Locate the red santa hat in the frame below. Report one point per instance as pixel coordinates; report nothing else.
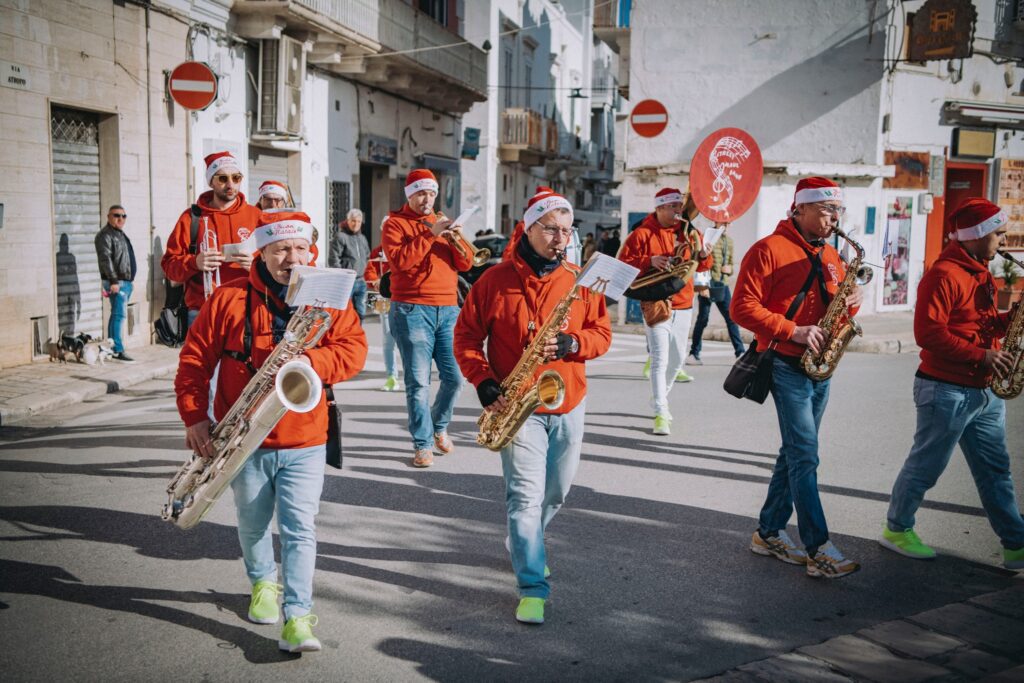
(282, 224)
(816, 189)
(975, 218)
(272, 188)
(668, 195)
(544, 200)
(419, 179)
(218, 162)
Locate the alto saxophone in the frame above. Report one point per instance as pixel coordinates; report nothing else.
(839, 327)
(281, 384)
(1011, 385)
(524, 394)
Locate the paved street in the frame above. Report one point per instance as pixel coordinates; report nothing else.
(652, 579)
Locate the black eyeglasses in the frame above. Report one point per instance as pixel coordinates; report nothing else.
(119, 215)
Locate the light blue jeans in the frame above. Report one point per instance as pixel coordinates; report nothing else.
(389, 346)
(290, 480)
(976, 419)
(799, 403)
(118, 312)
(539, 466)
(424, 333)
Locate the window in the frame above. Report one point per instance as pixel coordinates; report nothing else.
(507, 83)
(528, 82)
(435, 9)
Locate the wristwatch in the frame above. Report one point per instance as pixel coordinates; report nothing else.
(574, 345)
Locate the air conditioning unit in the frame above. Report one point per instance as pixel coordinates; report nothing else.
(282, 70)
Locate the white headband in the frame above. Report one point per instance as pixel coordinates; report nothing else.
(420, 185)
(668, 199)
(273, 190)
(990, 224)
(283, 230)
(219, 164)
(543, 206)
(810, 195)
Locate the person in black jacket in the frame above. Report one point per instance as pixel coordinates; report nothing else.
(349, 249)
(117, 269)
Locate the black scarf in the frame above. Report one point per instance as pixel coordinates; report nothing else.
(538, 264)
(281, 314)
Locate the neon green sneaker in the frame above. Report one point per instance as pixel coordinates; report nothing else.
(297, 635)
(906, 543)
(1013, 559)
(683, 378)
(530, 611)
(263, 607)
(390, 384)
(547, 572)
(647, 368)
(662, 425)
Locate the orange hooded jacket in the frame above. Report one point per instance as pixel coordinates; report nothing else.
(220, 327)
(500, 309)
(424, 267)
(650, 239)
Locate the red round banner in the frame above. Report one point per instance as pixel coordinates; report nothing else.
(725, 174)
(193, 85)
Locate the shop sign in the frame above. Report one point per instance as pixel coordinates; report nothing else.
(378, 150)
(942, 29)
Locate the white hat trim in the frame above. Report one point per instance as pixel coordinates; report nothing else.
(990, 224)
(220, 164)
(537, 211)
(810, 195)
(283, 230)
(420, 185)
(274, 190)
(668, 199)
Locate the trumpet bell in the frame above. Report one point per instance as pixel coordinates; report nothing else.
(481, 256)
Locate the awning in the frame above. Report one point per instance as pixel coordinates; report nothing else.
(445, 165)
(983, 113)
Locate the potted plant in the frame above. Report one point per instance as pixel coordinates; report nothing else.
(1008, 272)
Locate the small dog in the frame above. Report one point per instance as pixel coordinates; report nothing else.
(74, 344)
(58, 352)
(99, 351)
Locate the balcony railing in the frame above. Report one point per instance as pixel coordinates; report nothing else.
(527, 137)
(362, 16)
(613, 14)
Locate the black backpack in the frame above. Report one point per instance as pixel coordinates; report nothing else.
(172, 324)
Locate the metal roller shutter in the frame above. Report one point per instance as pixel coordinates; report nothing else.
(266, 164)
(77, 219)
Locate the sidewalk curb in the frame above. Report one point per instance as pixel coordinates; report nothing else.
(82, 389)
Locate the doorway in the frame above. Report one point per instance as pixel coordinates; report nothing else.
(963, 180)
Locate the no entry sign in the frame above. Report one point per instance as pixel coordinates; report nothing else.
(649, 118)
(193, 85)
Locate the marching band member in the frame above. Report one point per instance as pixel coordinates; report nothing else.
(793, 262)
(503, 308)
(652, 245)
(424, 307)
(224, 211)
(376, 266)
(958, 328)
(240, 325)
(273, 195)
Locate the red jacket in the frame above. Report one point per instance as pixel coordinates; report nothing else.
(770, 277)
(375, 269)
(425, 266)
(956, 318)
(232, 225)
(499, 309)
(513, 241)
(220, 326)
(651, 239)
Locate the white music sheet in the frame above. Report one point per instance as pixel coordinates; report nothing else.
(461, 219)
(247, 246)
(607, 274)
(321, 287)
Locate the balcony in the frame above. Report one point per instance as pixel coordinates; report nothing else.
(527, 138)
(354, 38)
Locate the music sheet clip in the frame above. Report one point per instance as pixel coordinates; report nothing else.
(607, 275)
(320, 287)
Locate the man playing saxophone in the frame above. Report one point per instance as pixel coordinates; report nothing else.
(958, 328)
(505, 308)
(424, 305)
(239, 327)
(653, 245)
(785, 285)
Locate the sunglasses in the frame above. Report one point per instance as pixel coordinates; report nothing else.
(223, 178)
(119, 215)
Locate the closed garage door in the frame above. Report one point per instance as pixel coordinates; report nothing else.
(77, 219)
(265, 164)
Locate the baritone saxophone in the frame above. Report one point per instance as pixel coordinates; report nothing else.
(1011, 385)
(281, 384)
(839, 327)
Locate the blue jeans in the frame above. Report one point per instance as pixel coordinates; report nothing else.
(118, 312)
(359, 297)
(799, 402)
(389, 346)
(539, 466)
(976, 419)
(290, 480)
(704, 314)
(423, 333)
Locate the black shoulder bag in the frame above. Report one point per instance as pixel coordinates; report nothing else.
(751, 375)
(172, 324)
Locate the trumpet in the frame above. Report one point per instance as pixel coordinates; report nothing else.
(465, 247)
(211, 278)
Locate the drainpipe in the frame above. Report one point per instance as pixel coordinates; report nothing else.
(149, 146)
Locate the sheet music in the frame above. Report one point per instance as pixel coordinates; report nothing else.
(465, 216)
(320, 287)
(608, 275)
(247, 246)
(712, 235)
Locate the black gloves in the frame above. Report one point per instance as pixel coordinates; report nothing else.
(566, 345)
(488, 392)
